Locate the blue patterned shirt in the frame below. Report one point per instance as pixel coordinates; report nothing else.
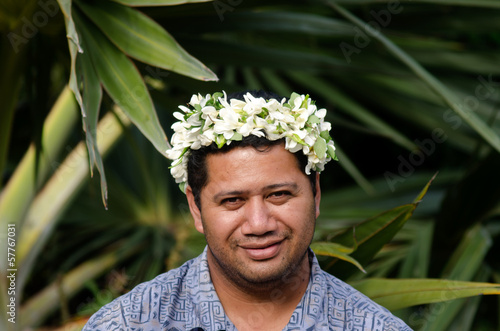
(185, 299)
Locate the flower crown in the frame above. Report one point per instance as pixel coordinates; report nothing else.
(215, 119)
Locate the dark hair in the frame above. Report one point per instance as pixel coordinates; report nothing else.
(197, 169)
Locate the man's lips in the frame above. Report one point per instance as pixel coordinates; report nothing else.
(263, 251)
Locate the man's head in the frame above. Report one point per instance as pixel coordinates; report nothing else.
(258, 215)
(197, 171)
(250, 168)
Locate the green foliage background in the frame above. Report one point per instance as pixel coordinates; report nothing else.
(412, 90)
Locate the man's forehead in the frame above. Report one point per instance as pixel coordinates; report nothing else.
(273, 165)
(239, 157)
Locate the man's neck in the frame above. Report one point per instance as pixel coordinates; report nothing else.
(266, 306)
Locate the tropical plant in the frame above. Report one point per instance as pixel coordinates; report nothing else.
(412, 88)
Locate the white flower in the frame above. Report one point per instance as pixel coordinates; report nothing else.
(195, 99)
(309, 140)
(321, 113)
(273, 119)
(246, 129)
(325, 126)
(228, 124)
(209, 111)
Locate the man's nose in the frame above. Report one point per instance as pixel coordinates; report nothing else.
(259, 218)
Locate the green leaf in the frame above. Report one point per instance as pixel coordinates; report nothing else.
(351, 169)
(251, 81)
(416, 262)
(182, 187)
(143, 39)
(335, 250)
(74, 48)
(58, 192)
(466, 203)
(325, 135)
(220, 140)
(320, 147)
(33, 169)
(468, 256)
(292, 99)
(285, 21)
(314, 119)
(465, 262)
(439, 88)
(331, 93)
(92, 95)
(237, 136)
(465, 319)
(420, 196)
(295, 137)
(272, 79)
(141, 3)
(400, 293)
(48, 299)
(216, 96)
(332, 152)
(124, 84)
(371, 235)
(304, 102)
(469, 3)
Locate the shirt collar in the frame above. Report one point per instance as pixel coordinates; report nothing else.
(210, 314)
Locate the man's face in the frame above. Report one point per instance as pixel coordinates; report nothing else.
(258, 215)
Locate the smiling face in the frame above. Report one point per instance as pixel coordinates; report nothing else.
(258, 215)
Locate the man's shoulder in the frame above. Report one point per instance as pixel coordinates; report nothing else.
(347, 303)
(145, 303)
(338, 288)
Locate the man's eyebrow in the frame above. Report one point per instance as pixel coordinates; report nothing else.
(290, 185)
(227, 193)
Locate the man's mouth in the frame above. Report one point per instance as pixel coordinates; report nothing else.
(262, 251)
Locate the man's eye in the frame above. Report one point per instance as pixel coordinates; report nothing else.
(232, 200)
(279, 194)
(233, 203)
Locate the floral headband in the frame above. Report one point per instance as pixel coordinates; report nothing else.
(215, 119)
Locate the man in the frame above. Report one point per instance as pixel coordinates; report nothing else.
(249, 167)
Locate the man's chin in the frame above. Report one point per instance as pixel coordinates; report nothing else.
(270, 277)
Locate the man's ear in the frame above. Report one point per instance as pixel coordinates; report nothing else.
(317, 197)
(195, 211)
